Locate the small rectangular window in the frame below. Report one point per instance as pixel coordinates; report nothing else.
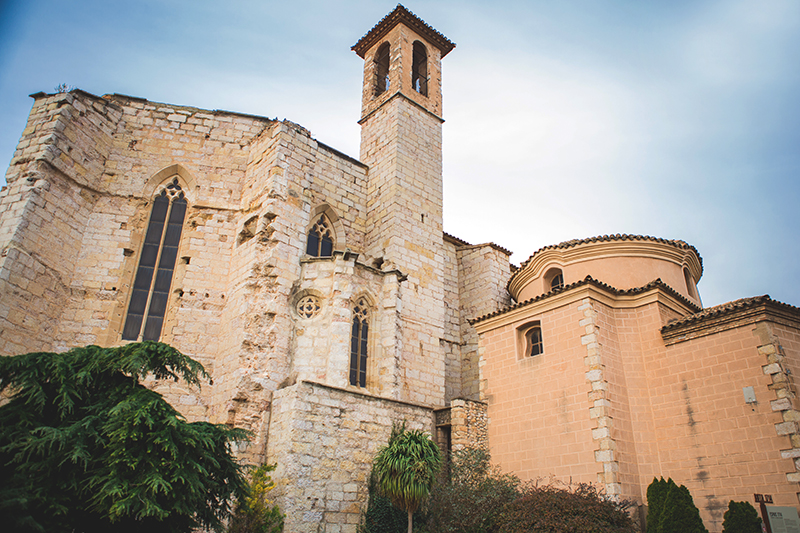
(530, 341)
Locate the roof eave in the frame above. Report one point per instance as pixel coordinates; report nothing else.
(402, 15)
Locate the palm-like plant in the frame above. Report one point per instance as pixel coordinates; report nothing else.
(406, 469)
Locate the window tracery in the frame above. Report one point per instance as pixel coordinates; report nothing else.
(150, 292)
(308, 307)
(320, 238)
(358, 343)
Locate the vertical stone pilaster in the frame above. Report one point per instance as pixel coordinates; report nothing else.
(605, 451)
(785, 395)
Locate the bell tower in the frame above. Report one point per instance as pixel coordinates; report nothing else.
(401, 142)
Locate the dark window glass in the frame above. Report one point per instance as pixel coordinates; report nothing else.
(148, 295)
(557, 282)
(320, 239)
(313, 243)
(354, 336)
(382, 69)
(419, 68)
(326, 247)
(362, 363)
(533, 338)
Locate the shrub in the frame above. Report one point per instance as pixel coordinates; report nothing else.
(471, 498)
(741, 517)
(579, 510)
(256, 513)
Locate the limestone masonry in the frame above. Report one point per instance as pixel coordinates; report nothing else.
(322, 295)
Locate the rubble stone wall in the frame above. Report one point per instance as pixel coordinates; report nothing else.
(323, 440)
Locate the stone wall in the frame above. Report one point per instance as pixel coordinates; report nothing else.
(53, 185)
(323, 440)
(483, 272)
(469, 425)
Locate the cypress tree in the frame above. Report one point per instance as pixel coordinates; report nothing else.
(741, 517)
(680, 515)
(656, 494)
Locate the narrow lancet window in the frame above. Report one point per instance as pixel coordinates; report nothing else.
(150, 295)
(382, 69)
(419, 69)
(358, 344)
(320, 238)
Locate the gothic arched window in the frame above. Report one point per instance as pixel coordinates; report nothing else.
(382, 69)
(151, 286)
(358, 344)
(320, 238)
(419, 69)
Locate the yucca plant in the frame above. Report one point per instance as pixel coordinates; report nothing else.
(406, 469)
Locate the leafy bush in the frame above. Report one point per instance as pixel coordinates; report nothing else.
(478, 498)
(741, 517)
(256, 513)
(581, 509)
(472, 497)
(85, 447)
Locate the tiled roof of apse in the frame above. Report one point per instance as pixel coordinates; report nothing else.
(683, 245)
(589, 280)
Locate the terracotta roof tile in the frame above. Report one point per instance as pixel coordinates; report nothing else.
(726, 308)
(462, 242)
(454, 239)
(401, 14)
(615, 237)
(589, 280)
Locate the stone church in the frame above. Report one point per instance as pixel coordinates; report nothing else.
(324, 298)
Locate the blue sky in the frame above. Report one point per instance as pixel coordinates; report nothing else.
(563, 119)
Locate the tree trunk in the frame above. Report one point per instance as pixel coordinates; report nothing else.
(410, 516)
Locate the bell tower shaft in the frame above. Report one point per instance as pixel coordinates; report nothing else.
(401, 141)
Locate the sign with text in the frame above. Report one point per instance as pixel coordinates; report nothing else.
(783, 519)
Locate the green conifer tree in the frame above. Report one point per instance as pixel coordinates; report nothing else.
(680, 515)
(741, 517)
(656, 494)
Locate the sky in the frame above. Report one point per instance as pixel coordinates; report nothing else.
(563, 120)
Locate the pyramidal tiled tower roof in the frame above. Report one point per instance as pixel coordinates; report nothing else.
(398, 15)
